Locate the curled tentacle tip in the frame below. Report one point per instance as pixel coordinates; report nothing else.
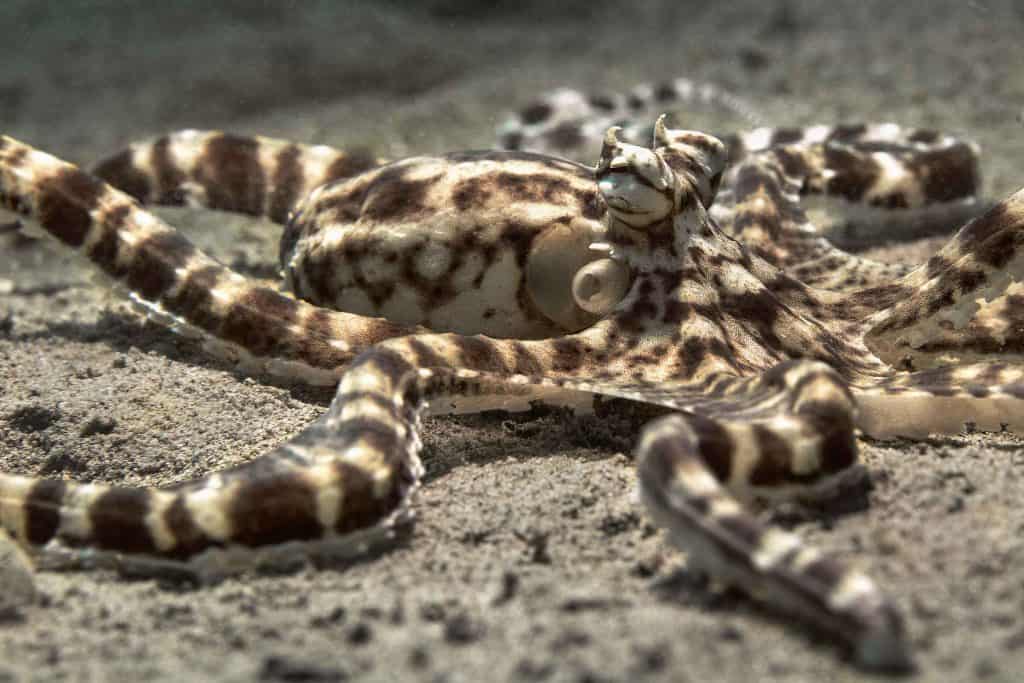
(599, 286)
(885, 654)
(661, 131)
(611, 136)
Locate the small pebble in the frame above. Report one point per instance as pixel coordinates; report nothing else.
(16, 577)
(460, 630)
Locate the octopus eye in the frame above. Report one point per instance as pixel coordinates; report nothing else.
(633, 200)
(599, 286)
(636, 183)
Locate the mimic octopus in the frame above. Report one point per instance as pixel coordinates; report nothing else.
(495, 279)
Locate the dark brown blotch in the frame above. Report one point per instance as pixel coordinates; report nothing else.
(743, 529)
(470, 193)
(855, 172)
(189, 539)
(825, 571)
(665, 92)
(714, 446)
(42, 510)
(847, 132)
(391, 196)
(511, 140)
(369, 432)
(257, 321)
(538, 112)
(924, 135)
(999, 249)
(192, 300)
(118, 520)
(168, 176)
(425, 355)
(272, 507)
(287, 181)
(384, 361)
(635, 102)
(64, 203)
(833, 421)
(591, 204)
(350, 163)
(566, 135)
(526, 363)
(478, 353)
(361, 505)
(519, 237)
(103, 249)
(786, 136)
(568, 354)
(774, 461)
(151, 272)
(121, 172)
(230, 172)
(601, 102)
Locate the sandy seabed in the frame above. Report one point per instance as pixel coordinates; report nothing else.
(529, 559)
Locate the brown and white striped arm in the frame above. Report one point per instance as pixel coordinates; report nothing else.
(172, 279)
(254, 175)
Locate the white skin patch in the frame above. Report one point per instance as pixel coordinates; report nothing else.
(723, 506)
(208, 510)
(916, 414)
(363, 382)
(329, 496)
(698, 481)
(814, 134)
(142, 157)
(14, 491)
(758, 139)
(854, 588)
(806, 458)
(190, 147)
(805, 558)
(74, 513)
(365, 407)
(156, 522)
(887, 131)
(775, 544)
(746, 455)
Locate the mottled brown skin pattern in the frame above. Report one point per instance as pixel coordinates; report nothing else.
(365, 244)
(478, 207)
(767, 376)
(252, 175)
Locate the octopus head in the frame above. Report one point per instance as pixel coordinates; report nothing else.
(638, 186)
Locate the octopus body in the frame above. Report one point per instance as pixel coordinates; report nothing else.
(683, 274)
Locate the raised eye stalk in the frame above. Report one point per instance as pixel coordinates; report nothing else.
(661, 137)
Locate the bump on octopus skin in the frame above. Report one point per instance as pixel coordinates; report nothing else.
(768, 376)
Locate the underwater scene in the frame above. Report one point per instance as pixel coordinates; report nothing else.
(466, 341)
